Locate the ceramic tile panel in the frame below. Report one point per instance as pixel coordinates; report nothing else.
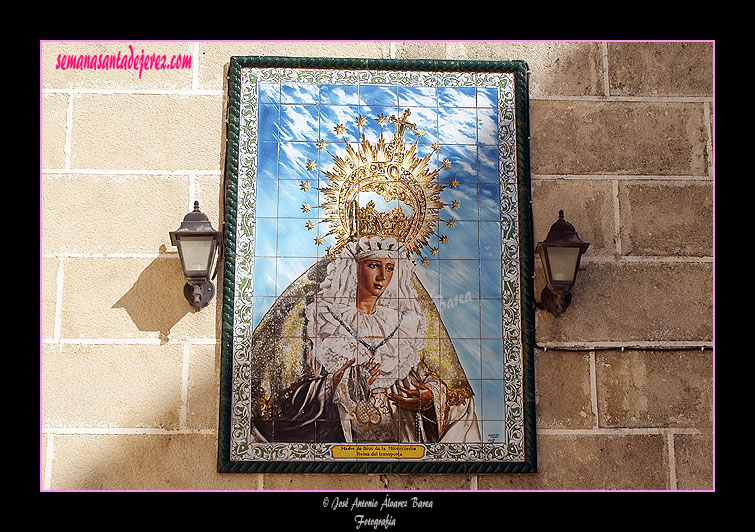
(376, 296)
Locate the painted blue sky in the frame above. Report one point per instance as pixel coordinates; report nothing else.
(464, 277)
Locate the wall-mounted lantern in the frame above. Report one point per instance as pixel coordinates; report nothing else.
(197, 243)
(560, 253)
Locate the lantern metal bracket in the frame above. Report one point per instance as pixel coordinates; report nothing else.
(199, 294)
(554, 302)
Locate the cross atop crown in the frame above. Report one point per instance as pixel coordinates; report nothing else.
(402, 123)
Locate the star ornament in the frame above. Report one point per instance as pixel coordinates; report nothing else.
(319, 240)
(304, 185)
(311, 165)
(340, 129)
(306, 207)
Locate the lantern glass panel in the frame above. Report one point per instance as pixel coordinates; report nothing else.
(197, 253)
(563, 262)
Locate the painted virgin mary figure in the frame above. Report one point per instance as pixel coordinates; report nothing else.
(355, 350)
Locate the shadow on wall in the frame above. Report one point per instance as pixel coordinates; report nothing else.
(155, 303)
(184, 460)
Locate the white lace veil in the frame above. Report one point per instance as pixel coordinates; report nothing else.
(340, 283)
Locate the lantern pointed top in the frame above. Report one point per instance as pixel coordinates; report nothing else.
(194, 223)
(562, 232)
(197, 217)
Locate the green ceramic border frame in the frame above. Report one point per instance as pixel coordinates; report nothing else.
(526, 250)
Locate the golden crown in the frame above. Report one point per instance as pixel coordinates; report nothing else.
(394, 173)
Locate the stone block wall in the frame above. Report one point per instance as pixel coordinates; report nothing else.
(622, 141)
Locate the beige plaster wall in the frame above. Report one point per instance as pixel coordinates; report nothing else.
(621, 140)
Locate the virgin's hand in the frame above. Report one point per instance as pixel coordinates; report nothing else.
(372, 370)
(420, 398)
